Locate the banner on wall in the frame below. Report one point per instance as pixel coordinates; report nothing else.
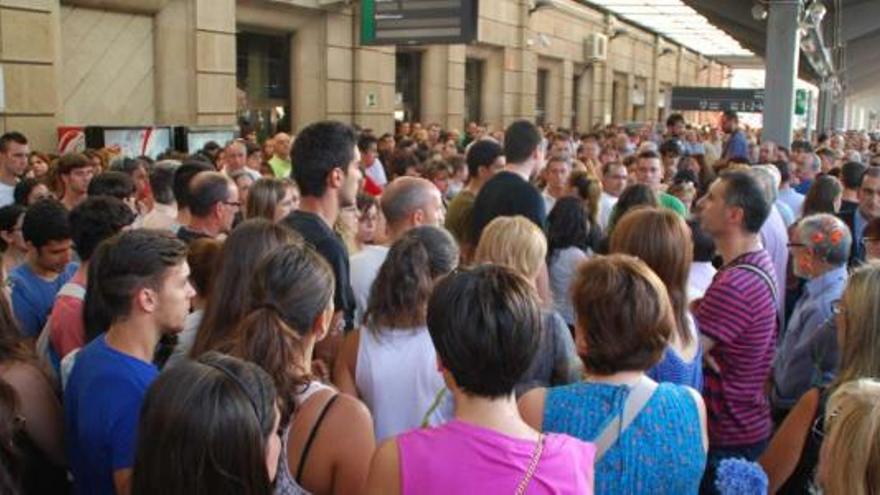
(71, 139)
(127, 141)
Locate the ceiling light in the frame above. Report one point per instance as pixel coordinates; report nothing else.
(759, 12)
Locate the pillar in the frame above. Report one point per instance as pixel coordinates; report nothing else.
(443, 85)
(825, 110)
(782, 56)
(29, 57)
(195, 63)
(840, 110)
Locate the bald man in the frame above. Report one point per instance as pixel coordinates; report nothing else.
(280, 161)
(407, 202)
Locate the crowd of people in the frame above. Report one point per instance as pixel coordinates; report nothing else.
(676, 309)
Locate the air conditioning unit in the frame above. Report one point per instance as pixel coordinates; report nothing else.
(596, 48)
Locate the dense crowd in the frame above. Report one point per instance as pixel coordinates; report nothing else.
(637, 309)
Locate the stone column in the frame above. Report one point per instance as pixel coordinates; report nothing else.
(567, 81)
(360, 79)
(443, 85)
(195, 63)
(782, 62)
(29, 57)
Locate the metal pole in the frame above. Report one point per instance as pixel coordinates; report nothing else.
(783, 52)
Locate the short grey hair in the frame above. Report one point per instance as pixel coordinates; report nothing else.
(827, 238)
(768, 178)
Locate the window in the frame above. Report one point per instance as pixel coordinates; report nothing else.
(541, 97)
(263, 80)
(473, 90)
(407, 83)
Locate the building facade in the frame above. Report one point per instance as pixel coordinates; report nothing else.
(281, 64)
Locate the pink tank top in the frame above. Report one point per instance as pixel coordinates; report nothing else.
(458, 457)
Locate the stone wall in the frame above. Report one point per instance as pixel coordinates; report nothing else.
(173, 62)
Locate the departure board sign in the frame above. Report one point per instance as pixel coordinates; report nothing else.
(718, 99)
(418, 22)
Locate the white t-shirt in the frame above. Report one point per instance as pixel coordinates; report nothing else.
(549, 201)
(364, 269)
(397, 378)
(7, 196)
(606, 206)
(699, 279)
(562, 269)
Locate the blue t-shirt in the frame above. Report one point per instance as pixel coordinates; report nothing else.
(737, 146)
(33, 297)
(102, 405)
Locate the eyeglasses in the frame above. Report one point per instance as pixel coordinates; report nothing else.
(236, 204)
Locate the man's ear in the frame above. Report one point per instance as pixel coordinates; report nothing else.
(335, 178)
(418, 217)
(217, 210)
(736, 215)
(146, 299)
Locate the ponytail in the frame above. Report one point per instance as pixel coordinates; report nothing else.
(290, 289)
(264, 338)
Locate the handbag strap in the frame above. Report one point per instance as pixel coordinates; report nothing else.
(637, 399)
(533, 465)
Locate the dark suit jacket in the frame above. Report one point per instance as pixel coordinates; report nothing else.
(856, 253)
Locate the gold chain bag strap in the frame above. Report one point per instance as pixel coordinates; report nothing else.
(533, 465)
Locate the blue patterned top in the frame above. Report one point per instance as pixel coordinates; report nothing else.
(673, 369)
(661, 451)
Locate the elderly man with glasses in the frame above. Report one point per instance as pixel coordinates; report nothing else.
(807, 354)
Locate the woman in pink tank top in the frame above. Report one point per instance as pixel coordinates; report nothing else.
(483, 347)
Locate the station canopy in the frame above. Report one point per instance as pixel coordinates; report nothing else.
(678, 22)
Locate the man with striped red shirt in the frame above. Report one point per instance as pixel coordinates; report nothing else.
(737, 319)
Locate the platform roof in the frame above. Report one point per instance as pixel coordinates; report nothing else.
(677, 21)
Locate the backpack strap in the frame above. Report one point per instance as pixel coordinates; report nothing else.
(760, 272)
(764, 276)
(635, 402)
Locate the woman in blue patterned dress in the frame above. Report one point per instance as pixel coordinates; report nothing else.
(650, 438)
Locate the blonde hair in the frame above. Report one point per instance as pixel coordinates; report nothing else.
(860, 349)
(514, 242)
(852, 446)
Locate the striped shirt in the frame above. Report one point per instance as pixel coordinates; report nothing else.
(738, 313)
